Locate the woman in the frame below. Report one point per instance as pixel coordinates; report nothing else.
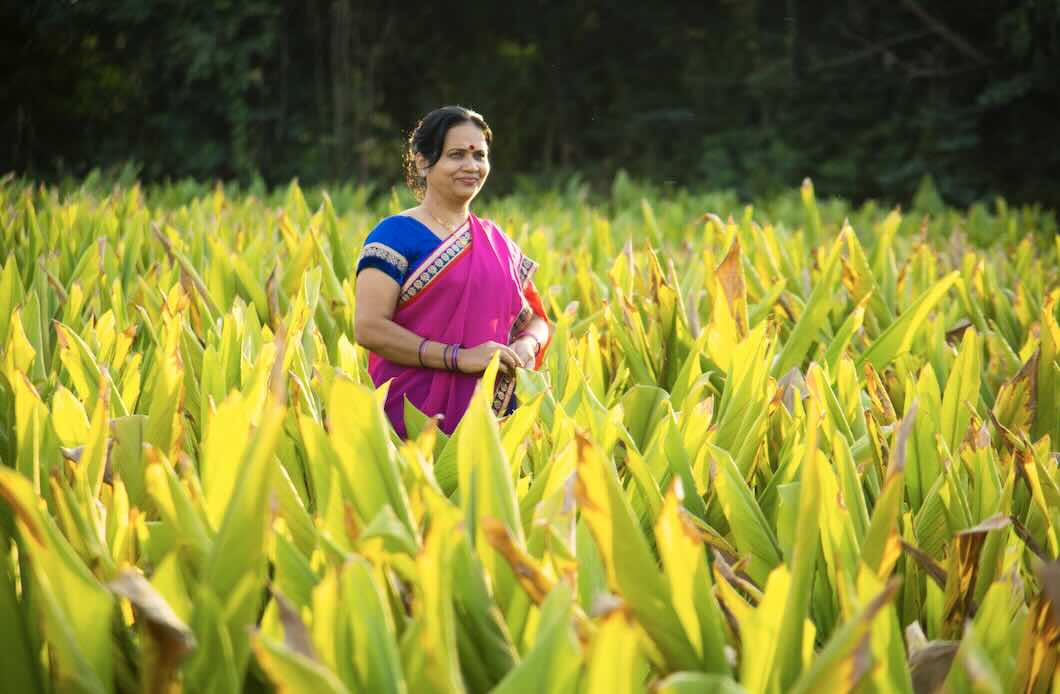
(439, 290)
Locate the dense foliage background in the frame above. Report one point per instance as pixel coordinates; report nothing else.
(866, 97)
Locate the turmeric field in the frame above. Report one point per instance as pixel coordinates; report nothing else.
(795, 447)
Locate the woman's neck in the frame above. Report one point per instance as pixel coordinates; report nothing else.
(452, 211)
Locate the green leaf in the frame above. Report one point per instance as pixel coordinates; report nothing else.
(227, 435)
(291, 671)
(168, 636)
(76, 608)
(553, 662)
(486, 488)
(813, 215)
(367, 469)
(814, 317)
(761, 626)
(615, 663)
(375, 655)
(126, 455)
(840, 666)
(485, 645)
(643, 409)
(18, 642)
(962, 390)
(11, 295)
(837, 346)
(898, 337)
(69, 418)
(1047, 402)
(684, 564)
(429, 653)
(750, 529)
(882, 544)
(630, 565)
(923, 466)
(238, 549)
(803, 560)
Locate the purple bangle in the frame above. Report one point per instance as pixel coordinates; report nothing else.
(448, 361)
(456, 354)
(419, 353)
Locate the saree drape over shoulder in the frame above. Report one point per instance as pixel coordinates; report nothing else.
(472, 288)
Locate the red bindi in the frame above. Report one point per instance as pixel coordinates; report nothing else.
(471, 147)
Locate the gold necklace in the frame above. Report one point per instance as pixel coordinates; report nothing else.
(450, 229)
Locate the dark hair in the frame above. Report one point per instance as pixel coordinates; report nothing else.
(428, 138)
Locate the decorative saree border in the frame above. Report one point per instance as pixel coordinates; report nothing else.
(433, 266)
(525, 269)
(384, 253)
(521, 321)
(503, 390)
(504, 386)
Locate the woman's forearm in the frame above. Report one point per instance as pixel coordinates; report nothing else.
(399, 345)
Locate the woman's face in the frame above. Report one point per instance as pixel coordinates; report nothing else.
(463, 167)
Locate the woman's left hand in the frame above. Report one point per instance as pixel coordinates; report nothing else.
(525, 349)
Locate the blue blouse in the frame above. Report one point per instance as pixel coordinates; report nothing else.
(397, 246)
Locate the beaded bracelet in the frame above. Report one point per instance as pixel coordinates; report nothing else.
(419, 353)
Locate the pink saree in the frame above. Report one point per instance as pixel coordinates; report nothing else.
(468, 291)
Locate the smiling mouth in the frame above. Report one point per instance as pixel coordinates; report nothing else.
(469, 181)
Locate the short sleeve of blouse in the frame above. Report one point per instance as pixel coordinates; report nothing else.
(384, 250)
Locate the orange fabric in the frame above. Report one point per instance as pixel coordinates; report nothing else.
(538, 308)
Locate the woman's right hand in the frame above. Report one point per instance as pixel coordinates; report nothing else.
(473, 360)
